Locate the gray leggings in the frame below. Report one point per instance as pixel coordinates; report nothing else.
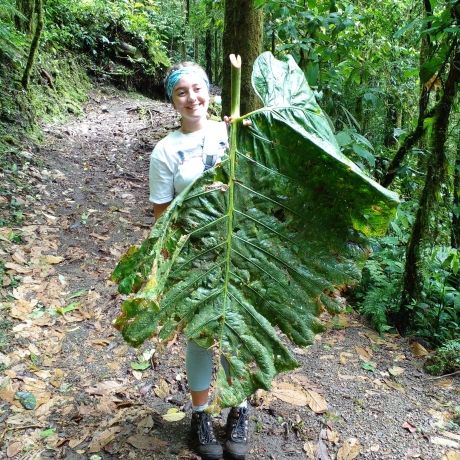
(198, 362)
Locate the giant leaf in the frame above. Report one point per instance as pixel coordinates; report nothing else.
(252, 252)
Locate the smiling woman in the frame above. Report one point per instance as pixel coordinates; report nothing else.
(177, 160)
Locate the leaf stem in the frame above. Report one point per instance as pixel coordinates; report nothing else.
(235, 113)
(235, 86)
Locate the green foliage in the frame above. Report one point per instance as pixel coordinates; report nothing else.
(258, 243)
(445, 360)
(11, 41)
(437, 315)
(122, 38)
(378, 294)
(69, 90)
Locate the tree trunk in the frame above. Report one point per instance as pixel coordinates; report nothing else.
(183, 45)
(242, 35)
(409, 141)
(216, 59)
(34, 44)
(455, 233)
(435, 178)
(208, 43)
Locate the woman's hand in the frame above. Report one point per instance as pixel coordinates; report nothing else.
(246, 122)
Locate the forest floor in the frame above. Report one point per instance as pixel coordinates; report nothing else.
(356, 394)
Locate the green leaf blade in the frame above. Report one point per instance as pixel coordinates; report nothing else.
(260, 242)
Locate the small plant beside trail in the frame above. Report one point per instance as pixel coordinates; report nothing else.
(446, 359)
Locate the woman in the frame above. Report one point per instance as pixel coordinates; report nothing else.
(176, 161)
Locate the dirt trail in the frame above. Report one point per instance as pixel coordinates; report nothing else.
(356, 395)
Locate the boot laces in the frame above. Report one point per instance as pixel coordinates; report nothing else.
(205, 431)
(239, 425)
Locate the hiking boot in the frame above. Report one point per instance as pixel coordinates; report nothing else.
(237, 433)
(203, 438)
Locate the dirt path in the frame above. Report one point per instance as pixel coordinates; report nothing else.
(356, 395)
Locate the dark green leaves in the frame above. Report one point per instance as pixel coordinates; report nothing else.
(259, 243)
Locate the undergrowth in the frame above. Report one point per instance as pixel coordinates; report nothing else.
(58, 88)
(446, 359)
(437, 313)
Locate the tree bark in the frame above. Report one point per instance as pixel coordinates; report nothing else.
(208, 43)
(409, 141)
(435, 178)
(242, 35)
(455, 232)
(34, 44)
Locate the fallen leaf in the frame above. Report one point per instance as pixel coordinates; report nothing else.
(419, 351)
(102, 438)
(350, 449)
(374, 338)
(21, 309)
(13, 449)
(364, 353)
(332, 436)
(394, 385)
(162, 389)
(19, 258)
(444, 383)
(137, 375)
(292, 394)
(173, 415)
(409, 427)
(58, 377)
(451, 455)
(310, 450)
(53, 260)
(395, 371)
(105, 387)
(368, 366)
(316, 402)
(17, 268)
(344, 357)
(444, 442)
(27, 399)
(146, 422)
(146, 442)
(448, 434)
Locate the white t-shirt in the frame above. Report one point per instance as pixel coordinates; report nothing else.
(179, 159)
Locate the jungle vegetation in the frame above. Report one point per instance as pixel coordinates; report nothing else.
(386, 74)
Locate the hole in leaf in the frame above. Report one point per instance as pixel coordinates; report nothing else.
(279, 214)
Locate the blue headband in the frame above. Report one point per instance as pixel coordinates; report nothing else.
(176, 75)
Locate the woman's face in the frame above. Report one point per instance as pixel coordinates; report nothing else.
(190, 97)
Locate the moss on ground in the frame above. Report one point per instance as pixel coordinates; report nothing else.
(59, 87)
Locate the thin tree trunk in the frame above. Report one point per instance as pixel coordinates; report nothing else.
(208, 43)
(243, 36)
(34, 44)
(409, 141)
(436, 176)
(455, 233)
(183, 47)
(216, 58)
